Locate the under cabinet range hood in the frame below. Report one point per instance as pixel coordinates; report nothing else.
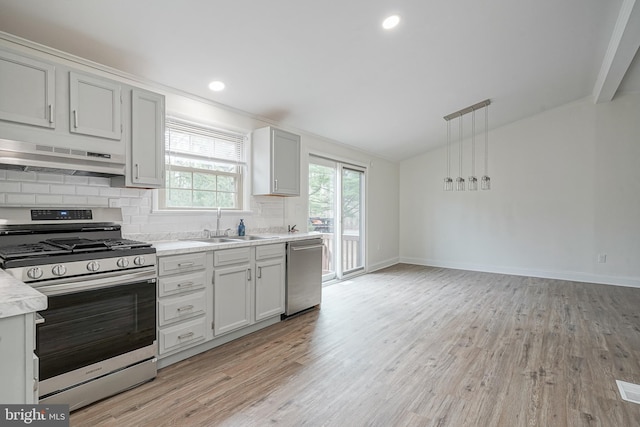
(30, 157)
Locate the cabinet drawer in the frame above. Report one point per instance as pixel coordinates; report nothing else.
(231, 256)
(269, 251)
(181, 283)
(180, 308)
(182, 335)
(181, 263)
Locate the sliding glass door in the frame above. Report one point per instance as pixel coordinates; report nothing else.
(336, 209)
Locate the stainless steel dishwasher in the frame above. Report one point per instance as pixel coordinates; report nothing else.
(304, 275)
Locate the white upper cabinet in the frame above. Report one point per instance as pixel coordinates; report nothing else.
(94, 106)
(275, 162)
(27, 90)
(146, 159)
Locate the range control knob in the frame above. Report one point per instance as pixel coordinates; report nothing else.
(34, 273)
(139, 260)
(59, 270)
(122, 262)
(93, 266)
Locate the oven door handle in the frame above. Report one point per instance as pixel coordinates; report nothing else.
(106, 280)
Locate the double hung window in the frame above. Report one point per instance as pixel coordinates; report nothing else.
(204, 167)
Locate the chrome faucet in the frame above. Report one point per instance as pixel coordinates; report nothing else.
(218, 222)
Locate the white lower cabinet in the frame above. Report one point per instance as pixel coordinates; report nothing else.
(248, 286)
(221, 293)
(270, 281)
(184, 301)
(231, 289)
(19, 367)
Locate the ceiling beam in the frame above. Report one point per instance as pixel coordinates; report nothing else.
(623, 46)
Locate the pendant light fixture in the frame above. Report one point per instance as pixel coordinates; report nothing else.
(473, 180)
(486, 181)
(460, 179)
(448, 182)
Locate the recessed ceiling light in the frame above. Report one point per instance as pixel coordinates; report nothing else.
(391, 22)
(216, 86)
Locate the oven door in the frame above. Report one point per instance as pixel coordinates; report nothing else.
(90, 321)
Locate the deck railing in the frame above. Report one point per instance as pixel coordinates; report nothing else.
(351, 252)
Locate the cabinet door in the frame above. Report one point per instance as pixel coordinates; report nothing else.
(231, 298)
(147, 139)
(285, 163)
(27, 90)
(269, 288)
(94, 106)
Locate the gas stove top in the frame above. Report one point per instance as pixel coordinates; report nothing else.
(44, 244)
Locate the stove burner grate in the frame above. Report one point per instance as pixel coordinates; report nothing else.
(31, 250)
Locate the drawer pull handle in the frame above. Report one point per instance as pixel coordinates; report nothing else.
(185, 336)
(75, 119)
(51, 113)
(186, 307)
(185, 264)
(185, 284)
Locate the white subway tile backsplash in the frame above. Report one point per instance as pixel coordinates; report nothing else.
(50, 178)
(21, 176)
(87, 190)
(100, 182)
(21, 199)
(62, 189)
(78, 180)
(9, 187)
(34, 188)
(130, 229)
(109, 192)
(74, 200)
(130, 210)
(97, 201)
(50, 190)
(48, 200)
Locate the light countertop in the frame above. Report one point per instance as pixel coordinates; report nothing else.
(17, 298)
(175, 247)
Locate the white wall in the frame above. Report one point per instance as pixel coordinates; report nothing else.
(565, 188)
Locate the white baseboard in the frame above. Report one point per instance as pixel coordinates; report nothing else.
(574, 276)
(383, 264)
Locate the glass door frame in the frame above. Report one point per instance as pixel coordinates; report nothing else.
(340, 165)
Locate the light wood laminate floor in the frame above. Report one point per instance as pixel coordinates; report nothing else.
(412, 346)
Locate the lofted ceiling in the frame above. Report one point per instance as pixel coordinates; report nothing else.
(328, 67)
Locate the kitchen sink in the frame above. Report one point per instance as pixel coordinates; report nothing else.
(251, 237)
(229, 239)
(209, 240)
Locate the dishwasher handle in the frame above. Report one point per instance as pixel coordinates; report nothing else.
(304, 248)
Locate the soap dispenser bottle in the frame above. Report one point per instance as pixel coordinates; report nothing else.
(241, 228)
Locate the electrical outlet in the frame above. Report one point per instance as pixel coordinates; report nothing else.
(602, 258)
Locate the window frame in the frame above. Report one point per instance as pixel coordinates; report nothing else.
(204, 130)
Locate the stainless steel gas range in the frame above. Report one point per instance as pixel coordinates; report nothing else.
(97, 336)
